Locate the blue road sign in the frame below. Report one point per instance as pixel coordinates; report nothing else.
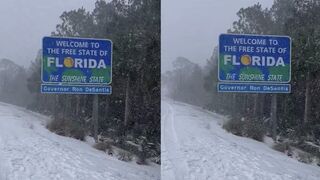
(76, 65)
(254, 58)
(76, 61)
(75, 89)
(254, 88)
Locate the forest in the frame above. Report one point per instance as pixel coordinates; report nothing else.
(128, 119)
(292, 120)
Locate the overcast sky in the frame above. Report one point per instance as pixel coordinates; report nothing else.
(23, 23)
(190, 28)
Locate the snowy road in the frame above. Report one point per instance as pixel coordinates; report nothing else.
(28, 151)
(195, 147)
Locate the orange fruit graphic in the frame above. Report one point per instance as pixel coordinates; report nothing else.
(245, 60)
(68, 62)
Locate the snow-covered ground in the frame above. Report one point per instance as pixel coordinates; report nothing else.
(195, 147)
(28, 151)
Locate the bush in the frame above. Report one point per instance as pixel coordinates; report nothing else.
(251, 128)
(156, 160)
(102, 146)
(68, 128)
(254, 129)
(142, 159)
(305, 157)
(77, 132)
(281, 147)
(235, 126)
(307, 147)
(124, 156)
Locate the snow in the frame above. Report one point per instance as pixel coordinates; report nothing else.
(195, 147)
(29, 151)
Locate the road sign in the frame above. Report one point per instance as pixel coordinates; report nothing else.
(254, 58)
(254, 87)
(76, 61)
(75, 89)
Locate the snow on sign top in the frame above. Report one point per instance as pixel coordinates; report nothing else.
(254, 58)
(76, 60)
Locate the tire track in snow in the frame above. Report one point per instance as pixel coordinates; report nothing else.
(171, 145)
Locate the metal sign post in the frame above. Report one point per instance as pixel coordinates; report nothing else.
(95, 115)
(77, 66)
(255, 64)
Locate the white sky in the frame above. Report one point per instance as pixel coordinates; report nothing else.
(190, 28)
(25, 22)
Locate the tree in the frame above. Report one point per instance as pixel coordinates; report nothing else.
(304, 30)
